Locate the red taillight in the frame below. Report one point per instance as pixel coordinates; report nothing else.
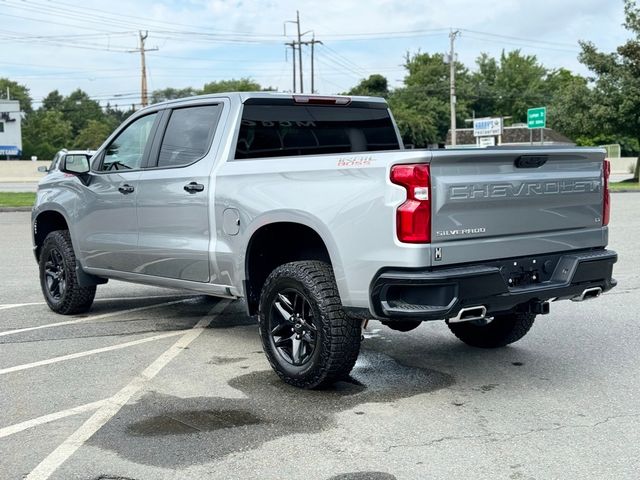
(413, 218)
(606, 200)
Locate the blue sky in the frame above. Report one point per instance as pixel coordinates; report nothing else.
(69, 44)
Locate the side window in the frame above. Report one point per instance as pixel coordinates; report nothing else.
(127, 150)
(188, 135)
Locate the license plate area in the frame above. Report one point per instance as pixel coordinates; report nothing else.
(525, 271)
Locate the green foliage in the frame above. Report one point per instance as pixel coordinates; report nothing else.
(241, 85)
(629, 146)
(16, 92)
(79, 109)
(374, 86)
(53, 101)
(92, 135)
(44, 133)
(165, 94)
(421, 107)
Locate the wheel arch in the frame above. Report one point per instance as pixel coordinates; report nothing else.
(45, 222)
(283, 240)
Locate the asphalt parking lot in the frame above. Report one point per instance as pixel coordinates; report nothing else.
(162, 384)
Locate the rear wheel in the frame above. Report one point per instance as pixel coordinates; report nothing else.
(499, 331)
(307, 337)
(58, 276)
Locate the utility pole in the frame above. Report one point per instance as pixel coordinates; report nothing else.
(312, 42)
(299, 43)
(452, 76)
(299, 51)
(144, 98)
(293, 56)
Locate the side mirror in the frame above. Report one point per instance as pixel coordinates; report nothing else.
(75, 164)
(43, 169)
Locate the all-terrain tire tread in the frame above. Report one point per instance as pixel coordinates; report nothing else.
(77, 299)
(342, 335)
(502, 331)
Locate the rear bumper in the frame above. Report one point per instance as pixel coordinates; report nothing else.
(499, 286)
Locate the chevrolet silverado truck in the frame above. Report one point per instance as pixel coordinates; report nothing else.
(310, 209)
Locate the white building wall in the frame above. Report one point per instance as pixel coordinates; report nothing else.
(11, 128)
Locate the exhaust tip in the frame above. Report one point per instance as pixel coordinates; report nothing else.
(588, 294)
(468, 314)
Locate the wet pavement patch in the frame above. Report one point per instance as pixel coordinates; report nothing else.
(184, 422)
(167, 431)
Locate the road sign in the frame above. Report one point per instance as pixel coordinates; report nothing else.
(537, 117)
(486, 141)
(487, 127)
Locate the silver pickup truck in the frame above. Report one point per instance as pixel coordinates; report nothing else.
(310, 209)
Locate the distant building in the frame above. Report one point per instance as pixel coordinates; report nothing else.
(515, 135)
(10, 129)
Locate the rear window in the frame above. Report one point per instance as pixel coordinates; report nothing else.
(286, 130)
(188, 135)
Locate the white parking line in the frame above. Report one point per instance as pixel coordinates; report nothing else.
(89, 319)
(86, 353)
(19, 427)
(6, 306)
(105, 413)
(16, 305)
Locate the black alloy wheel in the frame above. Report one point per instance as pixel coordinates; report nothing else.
(55, 275)
(58, 277)
(292, 328)
(307, 337)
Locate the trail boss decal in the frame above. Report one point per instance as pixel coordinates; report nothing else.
(357, 161)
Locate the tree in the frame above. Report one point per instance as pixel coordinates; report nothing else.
(16, 92)
(374, 86)
(570, 101)
(617, 81)
(115, 116)
(421, 107)
(484, 86)
(53, 101)
(164, 94)
(78, 108)
(241, 85)
(519, 85)
(45, 132)
(92, 136)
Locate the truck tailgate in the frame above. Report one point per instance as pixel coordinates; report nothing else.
(509, 193)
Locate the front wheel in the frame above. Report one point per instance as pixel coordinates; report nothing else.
(309, 340)
(58, 277)
(499, 331)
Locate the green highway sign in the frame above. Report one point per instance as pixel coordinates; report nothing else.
(537, 117)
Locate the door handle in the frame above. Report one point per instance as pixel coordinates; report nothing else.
(125, 189)
(193, 187)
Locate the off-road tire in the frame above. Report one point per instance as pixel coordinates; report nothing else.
(338, 336)
(500, 332)
(74, 299)
(403, 325)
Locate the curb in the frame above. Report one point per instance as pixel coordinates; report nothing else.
(15, 209)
